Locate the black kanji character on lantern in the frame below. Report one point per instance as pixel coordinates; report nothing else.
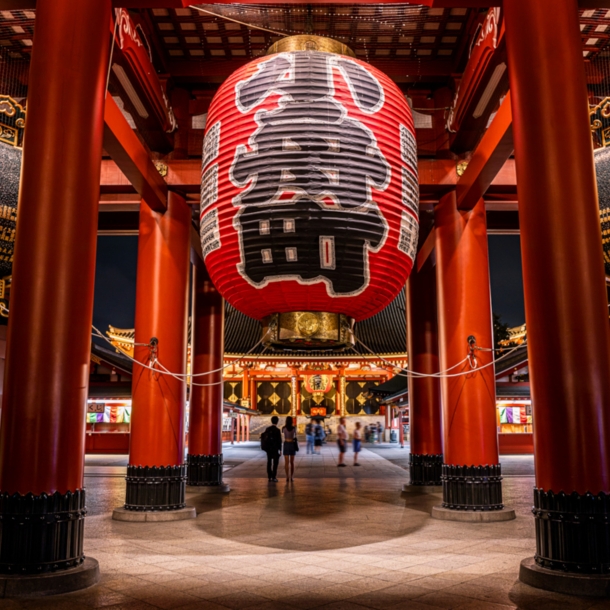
(307, 211)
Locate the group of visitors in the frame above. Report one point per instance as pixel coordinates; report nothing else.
(373, 433)
(274, 446)
(315, 435)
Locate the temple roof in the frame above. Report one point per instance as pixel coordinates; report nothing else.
(397, 385)
(383, 333)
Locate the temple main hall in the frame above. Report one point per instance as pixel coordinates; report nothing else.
(304, 305)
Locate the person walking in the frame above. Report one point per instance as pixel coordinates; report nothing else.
(342, 441)
(357, 442)
(272, 445)
(290, 448)
(379, 431)
(309, 436)
(318, 436)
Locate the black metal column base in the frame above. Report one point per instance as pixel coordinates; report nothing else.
(425, 469)
(155, 488)
(41, 534)
(572, 532)
(569, 583)
(85, 575)
(472, 488)
(205, 470)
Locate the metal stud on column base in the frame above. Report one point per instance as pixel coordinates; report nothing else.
(42, 544)
(572, 544)
(205, 472)
(425, 469)
(155, 493)
(472, 493)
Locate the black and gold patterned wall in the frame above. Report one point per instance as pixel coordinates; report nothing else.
(233, 391)
(602, 168)
(356, 400)
(274, 397)
(328, 400)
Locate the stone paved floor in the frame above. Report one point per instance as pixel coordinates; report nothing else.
(336, 538)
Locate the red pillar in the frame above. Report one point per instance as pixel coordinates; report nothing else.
(471, 470)
(205, 453)
(42, 438)
(566, 303)
(253, 393)
(426, 458)
(157, 421)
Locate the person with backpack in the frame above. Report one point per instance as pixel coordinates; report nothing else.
(309, 436)
(271, 444)
(318, 437)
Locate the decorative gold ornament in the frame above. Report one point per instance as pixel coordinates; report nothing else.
(308, 324)
(308, 330)
(461, 168)
(161, 168)
(308, 42)
(600, 123)
(12, 121)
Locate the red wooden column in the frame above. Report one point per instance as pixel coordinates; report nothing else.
(471, 469)
(205, 447)
(253, 393)
(566, 303)
(156, 450)
(42, 437)
(426, 458)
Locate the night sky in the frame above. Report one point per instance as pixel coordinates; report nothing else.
(115, 280)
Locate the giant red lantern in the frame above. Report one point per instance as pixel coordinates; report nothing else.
(309, 198)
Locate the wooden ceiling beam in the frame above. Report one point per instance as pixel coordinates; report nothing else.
(29, 4)
(132, 158)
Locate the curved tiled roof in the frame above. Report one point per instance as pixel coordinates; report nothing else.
(383, 333)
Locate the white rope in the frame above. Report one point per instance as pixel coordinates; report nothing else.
(181, 376)
(445, 374)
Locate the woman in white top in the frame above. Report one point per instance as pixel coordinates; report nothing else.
(357, 442)
(341, 441)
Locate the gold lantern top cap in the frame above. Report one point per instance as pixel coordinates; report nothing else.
(309, 42)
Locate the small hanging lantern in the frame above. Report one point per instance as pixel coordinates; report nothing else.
(309, 192)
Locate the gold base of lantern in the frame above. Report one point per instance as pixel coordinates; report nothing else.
(309, 42)
(308, 330)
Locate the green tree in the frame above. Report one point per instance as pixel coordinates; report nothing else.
(500, 331)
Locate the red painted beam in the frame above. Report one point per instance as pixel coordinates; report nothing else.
(426, 250)
(488, 159)
(184, 175)
(198, 71)
(132, 158)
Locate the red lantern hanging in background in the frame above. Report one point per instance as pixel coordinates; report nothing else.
(309, 192)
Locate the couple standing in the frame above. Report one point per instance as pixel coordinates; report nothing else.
(342, 438)
(273, 448)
